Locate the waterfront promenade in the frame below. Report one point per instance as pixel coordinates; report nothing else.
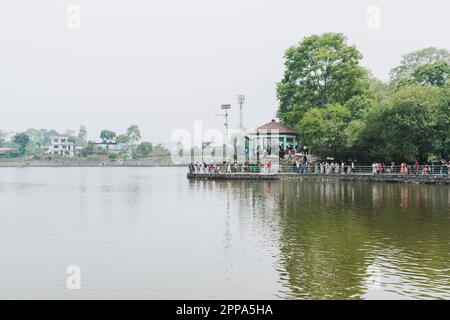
(389, 178)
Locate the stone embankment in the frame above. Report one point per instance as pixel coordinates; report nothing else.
(390, 178)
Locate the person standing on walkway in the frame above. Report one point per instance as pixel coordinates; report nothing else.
(374, 168)
(297, 166)
(392, 167)
(380, 167)
(305, 167)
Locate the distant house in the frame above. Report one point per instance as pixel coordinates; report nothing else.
(62, 147)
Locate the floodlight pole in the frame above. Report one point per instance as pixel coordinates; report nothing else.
(241, 100)
(226, 107)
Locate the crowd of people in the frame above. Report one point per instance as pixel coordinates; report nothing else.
(303, 166)
(430, 167)
(376, 168)
(204, 167)
(289, 151)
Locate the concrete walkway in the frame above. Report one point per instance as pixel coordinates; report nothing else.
(391, 178)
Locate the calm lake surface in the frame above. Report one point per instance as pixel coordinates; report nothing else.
(149, 233)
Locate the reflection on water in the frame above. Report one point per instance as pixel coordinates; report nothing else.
(150, 233)
(343, 240)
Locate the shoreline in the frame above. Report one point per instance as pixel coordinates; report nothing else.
(83, 164)
(386, 178)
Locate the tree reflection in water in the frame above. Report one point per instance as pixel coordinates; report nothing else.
(341, 240)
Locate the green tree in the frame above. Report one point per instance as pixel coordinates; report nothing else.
(36, 136)
(323, 130)
(88, 150)
(160, 151)
(353, 133)
(435, 74)
(123, 139)
(107, 136)
(412, 124)
(48, 135)
(402, 74)
(442, 143)
(144, 149)
(2, 138)
(379, 90)
(320, 70)
(72, 139)
(21, 140)
(134, 134)
(82, 136)
(359, 105)
(113, 156)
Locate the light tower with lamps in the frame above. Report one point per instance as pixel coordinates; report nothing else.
(241, 100)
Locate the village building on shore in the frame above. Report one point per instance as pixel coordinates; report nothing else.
(62, 147)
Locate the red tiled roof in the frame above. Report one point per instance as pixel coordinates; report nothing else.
(274, 125)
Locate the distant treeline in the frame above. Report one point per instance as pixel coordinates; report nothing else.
(32, 143)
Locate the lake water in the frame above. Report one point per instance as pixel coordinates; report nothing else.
(149, 233)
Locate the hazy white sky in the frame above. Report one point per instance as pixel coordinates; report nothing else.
(164, 64)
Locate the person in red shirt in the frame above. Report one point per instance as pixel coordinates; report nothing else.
(380, 167)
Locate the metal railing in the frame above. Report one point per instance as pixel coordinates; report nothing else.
(317, 169)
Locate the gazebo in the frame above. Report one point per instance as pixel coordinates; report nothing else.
(270, 137)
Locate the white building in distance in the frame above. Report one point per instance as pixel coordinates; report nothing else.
(62, 147)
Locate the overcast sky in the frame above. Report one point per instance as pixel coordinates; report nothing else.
(163, 64)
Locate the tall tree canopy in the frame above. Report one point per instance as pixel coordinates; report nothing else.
(143, 149)
(107, 136)
(134, 134)
(123, 139)
(82, 136)
(411, 62)
(343, 111)
(412, 124)
(320, 70)
(2, 138)
(21, 140)
(41, 137)
(435, 74)
(323, 129)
